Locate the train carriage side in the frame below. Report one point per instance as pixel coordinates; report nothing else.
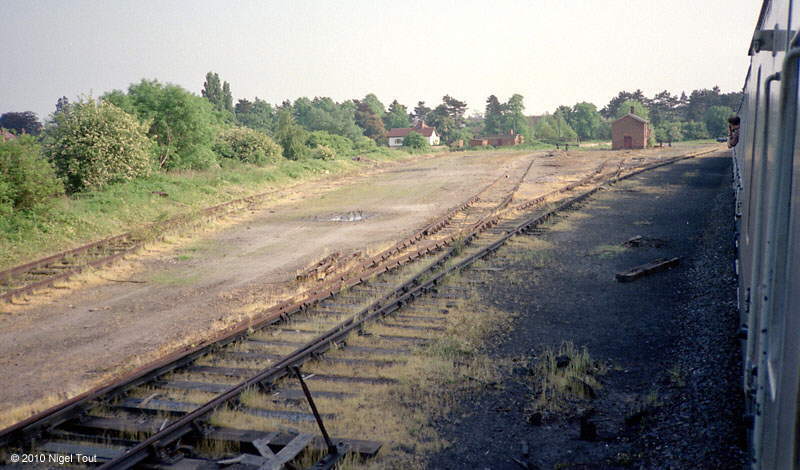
(768, 222)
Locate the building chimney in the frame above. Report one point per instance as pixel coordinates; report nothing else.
(632, 110)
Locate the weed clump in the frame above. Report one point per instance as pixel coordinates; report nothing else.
(563, 378)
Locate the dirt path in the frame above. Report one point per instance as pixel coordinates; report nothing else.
(181, 293)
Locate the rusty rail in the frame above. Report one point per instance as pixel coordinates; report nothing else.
(419, 285)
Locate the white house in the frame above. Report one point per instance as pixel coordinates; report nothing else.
(397, 134)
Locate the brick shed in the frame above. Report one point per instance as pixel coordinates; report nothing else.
(629, 132)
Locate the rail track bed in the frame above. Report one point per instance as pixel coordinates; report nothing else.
(243, 399)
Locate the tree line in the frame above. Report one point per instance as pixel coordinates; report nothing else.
(153, 126)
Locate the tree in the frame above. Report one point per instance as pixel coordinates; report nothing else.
(514, 119)
(668, 131)
(693, 130)
(62, 104)
(421, 111)
(639, 109)
(663, 108)
(227, 97)
(415, 142)
(212, 90)
(257, 115)
(554, 128)
(370, 121)
(501, 118)
(493, 117)
(674, 132)
(94, 145)
(324, 114)
(585, 120)
(716, 120)
(291, 137)
(27, 179)
(612, 109)
(21, 123)
(397, 116)
(182, 124)
(455, 110)
(218, 94)
(444, 123)
(374, 104)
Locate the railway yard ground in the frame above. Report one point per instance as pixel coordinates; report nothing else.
(661, 385)
(533, 356)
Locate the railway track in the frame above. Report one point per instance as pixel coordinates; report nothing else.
(45, 272)
(167, 416)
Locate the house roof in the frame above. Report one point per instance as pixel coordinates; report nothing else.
(403, 131)
(634, 117)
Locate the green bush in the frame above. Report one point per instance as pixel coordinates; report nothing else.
(415, 141)
(291, 137)
(181, 123)
(247, 145)
(27, 179)
(323, 152)
(364, 145)
(340, 145)
(92, 145)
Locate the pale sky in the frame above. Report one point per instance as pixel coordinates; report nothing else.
(551, 51)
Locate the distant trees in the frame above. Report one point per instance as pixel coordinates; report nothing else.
(637, 106)
(219, 94)
(397, 116)
(554, 127)
(95, 144)
(21, 123)
(368, 116)
(500, 118)
(585, 120)
(616, 106)
(257, 114)
(693, 130)
(324, 114)
(716, 120)
(420, 110)
(668, 131)
(493, 116)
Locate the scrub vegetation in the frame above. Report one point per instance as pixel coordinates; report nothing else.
(100, 166)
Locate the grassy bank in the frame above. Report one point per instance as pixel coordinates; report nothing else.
(85, 217)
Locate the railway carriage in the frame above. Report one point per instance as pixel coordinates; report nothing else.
(767, 177)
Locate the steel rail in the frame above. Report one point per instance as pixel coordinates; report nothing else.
(58, 414)
(384, 306)
(130, 237)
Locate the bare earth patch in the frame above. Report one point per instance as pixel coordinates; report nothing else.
(181, 291)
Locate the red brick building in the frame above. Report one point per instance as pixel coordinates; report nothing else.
(498, 140)
(630, 132)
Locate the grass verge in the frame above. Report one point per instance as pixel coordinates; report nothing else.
(85, 217)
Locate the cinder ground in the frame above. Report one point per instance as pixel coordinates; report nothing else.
(671, 396)
(64, 342)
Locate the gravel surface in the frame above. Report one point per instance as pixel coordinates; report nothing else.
(671, 396)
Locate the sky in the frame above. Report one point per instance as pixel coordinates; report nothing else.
(552, 52)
